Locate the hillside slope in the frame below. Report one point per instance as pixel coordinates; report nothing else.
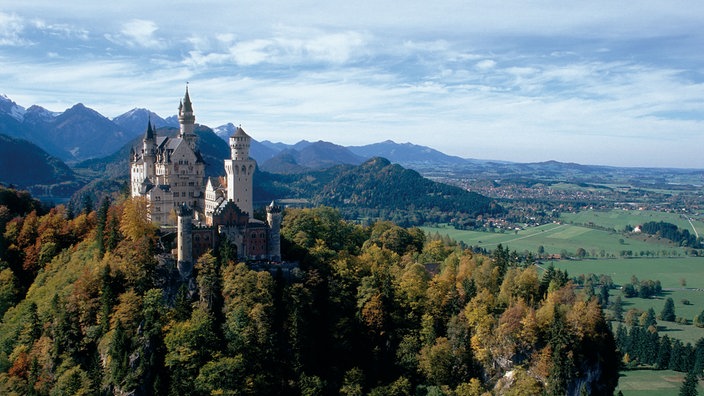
(379, 184)
(25, 164)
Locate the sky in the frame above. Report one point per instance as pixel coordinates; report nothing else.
(593, 82)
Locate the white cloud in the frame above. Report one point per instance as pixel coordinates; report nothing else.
(11, 28)
(60, 30)
(138, 33)
(309, 48)
(486, 64)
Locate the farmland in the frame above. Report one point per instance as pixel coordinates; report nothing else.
(670, 272)
(560, 239)
(619, 219)
(649, 382)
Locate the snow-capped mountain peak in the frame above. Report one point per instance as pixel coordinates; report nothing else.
(11, 108)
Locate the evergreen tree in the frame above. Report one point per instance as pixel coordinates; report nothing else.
(676, 356)
(622, 340)
(663, 360)
(647, 318)
(102, 222)
(119, 353)
(604, 295)
(618, 308)
(668, 311)
(689, 386)
(562, 369)
(699, 320)
(182, 304)
(86, 203)
(698, 367)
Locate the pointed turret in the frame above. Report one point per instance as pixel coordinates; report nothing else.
(187, 120)
(149, 134)
(149, 151)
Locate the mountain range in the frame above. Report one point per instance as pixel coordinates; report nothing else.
(90, 142)
(22, 162)
(80, 133)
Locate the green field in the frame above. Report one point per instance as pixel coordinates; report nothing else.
(651, 382)
(669, 271)
(618, 219)
(555, 239)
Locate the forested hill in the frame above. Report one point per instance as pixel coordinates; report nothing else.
(381, 186)
(25, 164)
(90, 305)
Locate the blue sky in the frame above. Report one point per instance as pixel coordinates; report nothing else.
(597, 82)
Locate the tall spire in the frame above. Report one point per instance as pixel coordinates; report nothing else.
(188, 106)
(149, 135)
(187, 120)
(185, 110)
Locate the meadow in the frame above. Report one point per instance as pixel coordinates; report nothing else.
(557, 239)
(618, 219)
(652, 383)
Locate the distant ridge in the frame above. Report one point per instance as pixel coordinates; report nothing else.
(406, 153)
(134, 122)
(313, 156)
(24, 164)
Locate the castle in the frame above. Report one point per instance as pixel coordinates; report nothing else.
(169, 173)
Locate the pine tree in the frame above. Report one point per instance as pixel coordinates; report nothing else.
(668, 311)
(562, 368)
(699, 320)
(604, 295)
(647, 318)
(618, 309)
(676, 356)
(689, 386)
(698, 367)
(102, 222)
(119, 353)
(663, 360)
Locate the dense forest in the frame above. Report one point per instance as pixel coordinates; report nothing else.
(379, 189)
(90, 306)
(670, 231)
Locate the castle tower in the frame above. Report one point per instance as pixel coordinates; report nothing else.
(187, 120)
(184, 241)
(273, 219)
(149, 152)
(240, 170)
